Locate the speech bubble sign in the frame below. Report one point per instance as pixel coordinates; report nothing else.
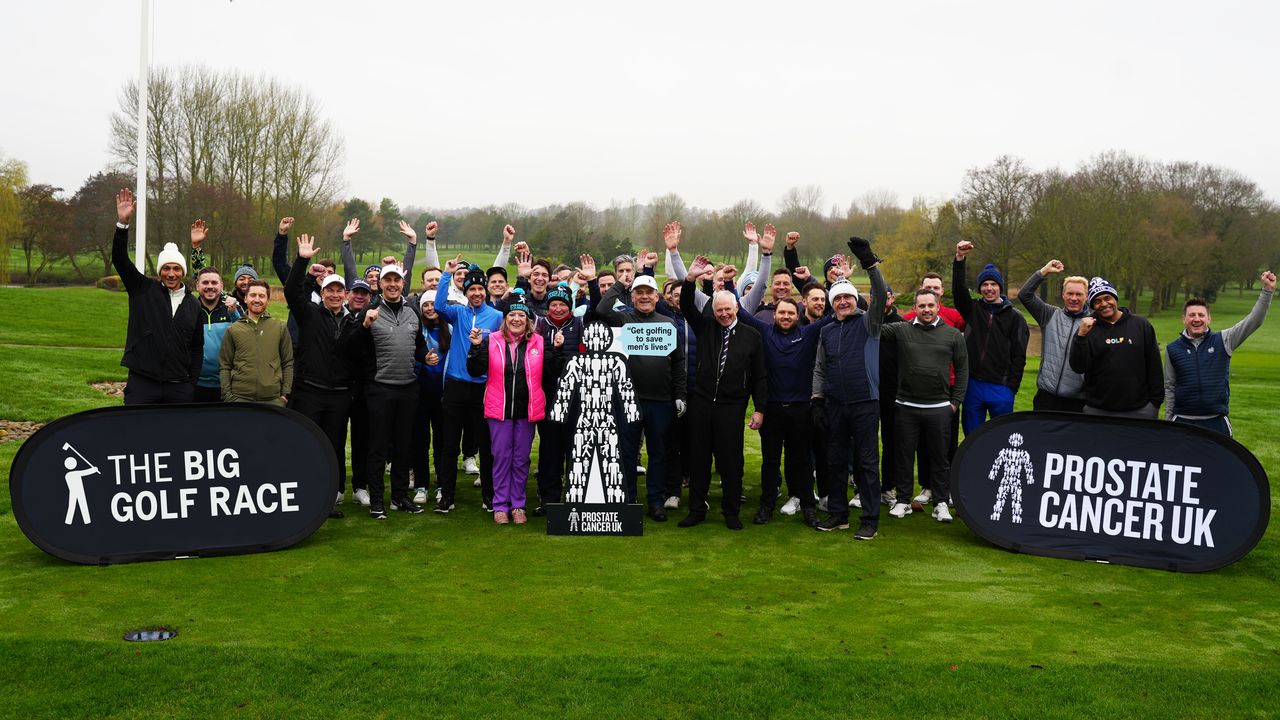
(651, 339)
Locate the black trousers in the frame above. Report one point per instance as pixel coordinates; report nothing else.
(142, 390)
(679, 454)
(853, 439)
(359, 439)
(888, 440)
(329, 410)
(426, 419)
(463, 403)
(391, 411)
(789, 427)
(470, 443)
(207, 394)
(929, 428)
(720, 430)
(1046, 401)
(924, 458)
(554, 442)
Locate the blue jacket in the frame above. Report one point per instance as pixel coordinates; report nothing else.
(847, 369)
(788, 357)
(215, 326)
(1203, 370)
(461, 319)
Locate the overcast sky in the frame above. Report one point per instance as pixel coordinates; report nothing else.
(457, 104)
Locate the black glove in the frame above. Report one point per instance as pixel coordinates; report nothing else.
(861, 249)
(818, 413)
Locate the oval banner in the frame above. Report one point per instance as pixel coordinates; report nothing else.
(153, 482)
(1133, 492)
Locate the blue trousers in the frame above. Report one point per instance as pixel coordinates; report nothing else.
(982, 398)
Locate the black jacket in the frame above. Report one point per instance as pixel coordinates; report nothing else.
(160, 344)
(1120, 363)
(324, 357)
(744, 372)
(661, 379)
(997, 342)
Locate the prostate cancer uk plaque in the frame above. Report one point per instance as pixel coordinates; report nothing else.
(162, 481)
(1133, 492)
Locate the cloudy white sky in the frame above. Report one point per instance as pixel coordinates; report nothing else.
(466, 104)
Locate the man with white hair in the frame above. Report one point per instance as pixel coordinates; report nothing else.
(164, 344)
(730, 371)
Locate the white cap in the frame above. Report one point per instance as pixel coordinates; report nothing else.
(331, 279)
(842, 287)
(392, 268)
(644, 281)
(171, 254)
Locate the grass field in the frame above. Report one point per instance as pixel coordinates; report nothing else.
(450, 616)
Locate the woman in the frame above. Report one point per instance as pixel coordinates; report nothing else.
(430, 390)
(514, 359)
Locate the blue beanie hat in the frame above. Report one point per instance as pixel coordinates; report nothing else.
(749, 278)
(991, 273)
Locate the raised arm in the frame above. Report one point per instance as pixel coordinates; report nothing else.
(1235, 335)
(410, 252)
(504, 252)
(753, 247)
(132, 279)
(1039, 309)
(430, 255)
(675, 264)
(960, 284)
(198, 259)
(280, 250)
(349, 255)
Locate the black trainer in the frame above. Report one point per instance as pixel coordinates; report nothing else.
(811, 517)
(377, 511)
(443, 506)
(835, 522)
(656, 513)
(405, 505)
(763, 516)
(865, 532)
(539, 511)
(733, 522)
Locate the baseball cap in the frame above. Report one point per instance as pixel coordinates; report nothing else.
(644, 281)
(331, 279)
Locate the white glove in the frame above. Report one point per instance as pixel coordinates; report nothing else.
(680, 408)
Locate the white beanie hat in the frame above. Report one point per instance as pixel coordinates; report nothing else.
(171, 254)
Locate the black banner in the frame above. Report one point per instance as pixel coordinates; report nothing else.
(595, 519)
(164, 481)
(1134, 492)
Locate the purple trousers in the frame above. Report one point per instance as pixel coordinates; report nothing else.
(511, 440)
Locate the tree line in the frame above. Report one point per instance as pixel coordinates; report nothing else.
(242, 151)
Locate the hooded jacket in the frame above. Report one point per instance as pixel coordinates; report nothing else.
(1120, 363)
(996, 338)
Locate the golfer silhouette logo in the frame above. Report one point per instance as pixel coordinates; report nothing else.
(594, 380)
(76, 499)
(1012, 462)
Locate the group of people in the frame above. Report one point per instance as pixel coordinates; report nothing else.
(469, 366)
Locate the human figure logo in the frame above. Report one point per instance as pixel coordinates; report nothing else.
(1013, 462)
(76, 500)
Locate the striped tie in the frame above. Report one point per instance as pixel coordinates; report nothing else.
(724, 352)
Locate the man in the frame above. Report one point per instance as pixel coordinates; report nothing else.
(359, 298)
(1058, 387)
(996, 338)
(217, 313)
(929, 352)
(659, 384)
(322, 390)
(730, 371)
(535, 277)
(933, 281)
(815, 303)
(1197, 365)
(164, 343)
(256, 360)
(431, 280)
(390, 342)
(780, 288)
(496, 285)
(1118, 357)
(845, 392)
(463, 401)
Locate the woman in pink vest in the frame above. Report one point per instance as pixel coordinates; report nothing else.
(512, 361)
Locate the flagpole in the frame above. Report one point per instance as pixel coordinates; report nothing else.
(144, 78)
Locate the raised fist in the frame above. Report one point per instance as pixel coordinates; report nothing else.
(432, 228)
(370, 317)
(1053, 266)
(508, 234)
(1086, 325)
(962, 248)
(285, 224)
(793, 237)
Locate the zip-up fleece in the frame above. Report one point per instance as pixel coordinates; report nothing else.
(1057, 327)
(160, 344)
(461, 319)
(256, 360)
(216, 324)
